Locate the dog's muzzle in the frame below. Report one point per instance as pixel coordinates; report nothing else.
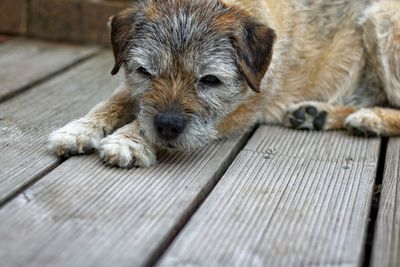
(170, 124)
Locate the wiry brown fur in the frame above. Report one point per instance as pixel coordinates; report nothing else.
(181, 95)
(306, 64)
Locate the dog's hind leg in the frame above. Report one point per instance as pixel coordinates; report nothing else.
(374, 122)
(381, 24)
(364, 122)
(312, 115)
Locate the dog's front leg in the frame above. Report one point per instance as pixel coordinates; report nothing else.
(84, 135)
(126, 148)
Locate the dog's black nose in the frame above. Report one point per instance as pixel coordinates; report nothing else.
(170, 124)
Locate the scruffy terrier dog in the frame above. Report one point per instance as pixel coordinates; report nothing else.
(199, 70)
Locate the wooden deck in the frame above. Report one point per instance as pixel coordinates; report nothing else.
(276, 197)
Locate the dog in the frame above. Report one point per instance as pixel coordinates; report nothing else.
(200, 70)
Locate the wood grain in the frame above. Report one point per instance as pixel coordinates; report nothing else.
(289, 199)
(86, 214)
(27, 62)
(27, 120)
(386, 249)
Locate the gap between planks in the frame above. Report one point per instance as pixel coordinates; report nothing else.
(372, 224)
(386, 242)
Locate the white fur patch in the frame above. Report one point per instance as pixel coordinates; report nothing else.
(77, 137)
(118, 150)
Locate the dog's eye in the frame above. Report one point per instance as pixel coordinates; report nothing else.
(143, 72)
(210, 80)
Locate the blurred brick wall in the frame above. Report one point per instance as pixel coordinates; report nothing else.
(13, 16)
(60, 20)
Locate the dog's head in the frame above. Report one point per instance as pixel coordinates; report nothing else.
(190, 64)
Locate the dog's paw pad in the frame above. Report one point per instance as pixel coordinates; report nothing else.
(307, 117)
(364, 123)
(298, 118)
(122, 152)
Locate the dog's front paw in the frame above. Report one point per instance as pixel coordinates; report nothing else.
(306, 116)
(365, 122)
(77, 137)
(120, 151)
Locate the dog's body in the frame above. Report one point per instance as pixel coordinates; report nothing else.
(199, 70)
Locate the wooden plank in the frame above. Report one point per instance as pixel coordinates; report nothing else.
(26, 62)
(86, 214)
(290, 199)
(386, 250)
(27, 120)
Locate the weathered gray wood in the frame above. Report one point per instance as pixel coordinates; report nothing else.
(86, 214)
(26, 62)
(386, 250)
(27, 120)
(290, 199)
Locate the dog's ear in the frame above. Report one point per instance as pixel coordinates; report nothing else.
(253, 44)
(122, 30)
